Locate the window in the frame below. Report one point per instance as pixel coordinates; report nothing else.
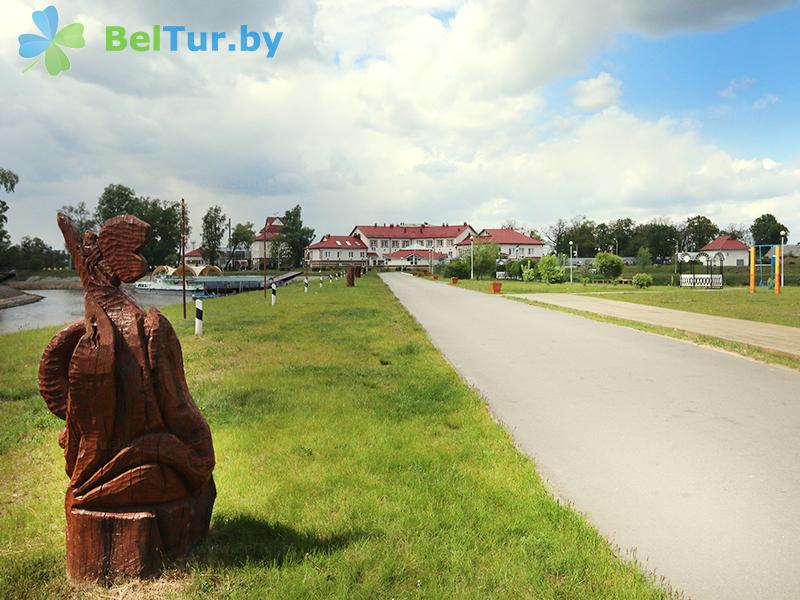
(374, 244)
(439, 243)
(449, 242)
(395, 244)
(351, 255)
(384, 243)
(327, 254)
(338, 254)
(406, 243)
(429, 243)
(739, 262)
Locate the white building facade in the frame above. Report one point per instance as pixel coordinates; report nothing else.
(386, 239)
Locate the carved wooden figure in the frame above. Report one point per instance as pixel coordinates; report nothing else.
(138, 451)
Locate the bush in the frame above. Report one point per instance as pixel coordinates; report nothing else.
(550, 271)
(609, 265)
(642, 280)
(530, 272)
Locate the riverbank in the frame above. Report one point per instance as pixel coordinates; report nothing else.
(46, 283)
(352, 461)
(10, 297)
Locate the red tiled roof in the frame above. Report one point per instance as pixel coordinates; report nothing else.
(270, 230)
(196, 253)
(339, 242)
(503, 236)
(424, 254)
(725, 242)
(410, 232)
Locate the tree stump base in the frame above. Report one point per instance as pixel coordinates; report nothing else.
(104, 545)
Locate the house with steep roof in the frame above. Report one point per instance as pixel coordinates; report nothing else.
(337, 251)
(513, 244)
(387, 239)
(735, 253)
(261, 247)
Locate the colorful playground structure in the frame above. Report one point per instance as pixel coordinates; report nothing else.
(766, 268)
(775, 264)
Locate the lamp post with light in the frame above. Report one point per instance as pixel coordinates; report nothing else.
(471, 257)
(783, 256)
(570, 261)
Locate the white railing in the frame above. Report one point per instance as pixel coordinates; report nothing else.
(701, 280)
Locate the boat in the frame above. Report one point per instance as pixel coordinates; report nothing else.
(166, 285)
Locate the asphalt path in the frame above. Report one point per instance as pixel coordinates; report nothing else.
(686, 455)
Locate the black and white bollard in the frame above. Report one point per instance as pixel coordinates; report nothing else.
(305, 285)
(320, 281)
(274, 293)
(330, 277)
(198, 317)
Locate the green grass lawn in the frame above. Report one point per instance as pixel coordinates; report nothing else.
(737, 303)
(511, 286)
(352, 461)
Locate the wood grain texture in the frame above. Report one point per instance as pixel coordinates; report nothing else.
(137, 449)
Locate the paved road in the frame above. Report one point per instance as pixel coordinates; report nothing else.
(778, 338)
(687, 454)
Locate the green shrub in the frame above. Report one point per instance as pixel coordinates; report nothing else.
(530, 272)
(550, 271)
(608, 264)
(642, 280)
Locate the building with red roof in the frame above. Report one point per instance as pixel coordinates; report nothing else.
(194, 257)
(337, 251)
(422, 258)
(513, 244)
(261, 247)
(734, 252)
(387, 239)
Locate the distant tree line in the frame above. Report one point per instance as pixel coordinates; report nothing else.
(659, 237)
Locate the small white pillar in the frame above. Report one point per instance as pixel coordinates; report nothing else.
(198, 317)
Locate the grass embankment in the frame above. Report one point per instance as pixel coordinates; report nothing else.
(763, 306)
(511, 286)
(352, 462)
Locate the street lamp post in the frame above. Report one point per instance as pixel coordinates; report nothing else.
(472, 257)
(570, 261)
(783, 257)
(616, 245)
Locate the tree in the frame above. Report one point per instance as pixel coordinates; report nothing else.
(117, 200)
(486, 260)
(767, 230)
(213, 230)
(738, 232)
(294, 236)
(581, 232)
(242, 237)
(698, 231)
(8, 181)
(608, 264)
(33, 254)
(550, 271)
(660, 236)
(621, 233)
(644, 258)
(555, 236)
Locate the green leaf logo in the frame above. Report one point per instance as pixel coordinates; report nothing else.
(49, 43)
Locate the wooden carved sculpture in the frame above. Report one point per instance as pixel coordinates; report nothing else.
(138, 451)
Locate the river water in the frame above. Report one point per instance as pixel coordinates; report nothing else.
(64, 306)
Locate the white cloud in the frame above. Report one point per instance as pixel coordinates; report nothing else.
(371, 111)
(736, 86)
(765, 102)
(597, 93)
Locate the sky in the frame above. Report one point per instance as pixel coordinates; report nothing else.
(415, 111)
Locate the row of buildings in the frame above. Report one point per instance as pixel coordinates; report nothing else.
(418, 245)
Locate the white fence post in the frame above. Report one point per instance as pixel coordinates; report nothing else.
(274, 293)
(198, 317)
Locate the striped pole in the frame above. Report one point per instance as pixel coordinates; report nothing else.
(330, 277)
(752, 269)
(198, 317)
(274, 293)
(777, 269)
(320, 281)
(305, 285)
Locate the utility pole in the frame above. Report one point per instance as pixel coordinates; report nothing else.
(570, 261)
(264, 258)
(230, 254)
(183, 254)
